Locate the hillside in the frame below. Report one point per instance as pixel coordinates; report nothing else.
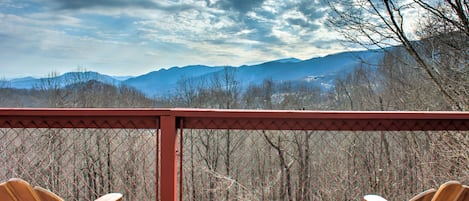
(319, 71)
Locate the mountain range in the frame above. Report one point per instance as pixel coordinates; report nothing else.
(319, 71)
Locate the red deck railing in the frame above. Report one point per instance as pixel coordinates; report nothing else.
(169, 121)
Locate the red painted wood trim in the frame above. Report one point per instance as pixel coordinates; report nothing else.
(168, 181)
(232, 119)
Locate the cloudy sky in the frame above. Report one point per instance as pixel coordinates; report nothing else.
(133, 37)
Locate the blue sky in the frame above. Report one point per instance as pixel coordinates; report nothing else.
(133, 37)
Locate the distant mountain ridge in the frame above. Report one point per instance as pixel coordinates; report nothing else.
(61, 80)
(320, 71)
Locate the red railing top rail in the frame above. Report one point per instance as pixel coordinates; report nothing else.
(142, 118)
(88, 112)
(308, 114)
(190, 112)
(233, 119)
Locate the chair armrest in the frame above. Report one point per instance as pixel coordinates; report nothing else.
(110, 197)
(424, 196)
(373, 198)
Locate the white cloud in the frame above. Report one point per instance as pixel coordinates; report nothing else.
(154, 38)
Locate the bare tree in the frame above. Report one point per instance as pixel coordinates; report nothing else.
(383, 23)
(6, 93)
(52, 87)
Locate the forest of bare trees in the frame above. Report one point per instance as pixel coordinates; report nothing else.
(427, 69)
(436, 43)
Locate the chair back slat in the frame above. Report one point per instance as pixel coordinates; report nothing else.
(5, 193)
(448, 191)
(424, 196)
(19, 189)
(46, 195)
(464, 196)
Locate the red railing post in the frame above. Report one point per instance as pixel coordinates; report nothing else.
(168, 181)
(157, 157)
